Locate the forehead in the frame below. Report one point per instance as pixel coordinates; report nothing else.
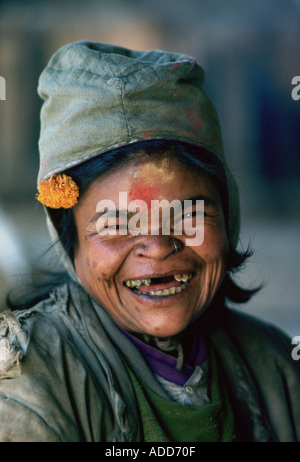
(147, 177)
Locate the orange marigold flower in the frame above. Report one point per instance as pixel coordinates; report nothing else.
(59, 191)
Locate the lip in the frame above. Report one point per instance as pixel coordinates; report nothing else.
(162, 301)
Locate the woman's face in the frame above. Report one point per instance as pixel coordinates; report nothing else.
(110, 265)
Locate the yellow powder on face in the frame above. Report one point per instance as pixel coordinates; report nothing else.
(147, 177)
(152, 170)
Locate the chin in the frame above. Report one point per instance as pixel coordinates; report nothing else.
(165, 329)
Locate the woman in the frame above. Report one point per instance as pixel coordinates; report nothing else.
(137, 343)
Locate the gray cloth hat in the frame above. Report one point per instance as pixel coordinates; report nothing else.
(98, 97)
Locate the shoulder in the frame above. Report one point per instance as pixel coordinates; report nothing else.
(254, 336)
(257, 358)
(262, 346)
(23, 332)
(44, 378)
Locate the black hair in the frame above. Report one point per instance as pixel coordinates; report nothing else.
(191, 156)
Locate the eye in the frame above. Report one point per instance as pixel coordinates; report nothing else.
(112, 227)
(118, 226)
(193, 214)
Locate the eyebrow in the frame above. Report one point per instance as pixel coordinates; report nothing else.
(207, 200)
(117, 213)
(112, 213)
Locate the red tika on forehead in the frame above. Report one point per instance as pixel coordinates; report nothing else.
(141, 191)
(147, 180)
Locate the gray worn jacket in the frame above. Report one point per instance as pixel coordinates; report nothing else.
(62, 376)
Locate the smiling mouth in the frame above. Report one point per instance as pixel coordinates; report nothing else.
(160, 287)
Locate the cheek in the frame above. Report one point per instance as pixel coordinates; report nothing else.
(214, 247)
(86, 265)
(213, 255)
(97, 262)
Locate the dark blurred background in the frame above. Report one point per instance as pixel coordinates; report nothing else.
(250, 51)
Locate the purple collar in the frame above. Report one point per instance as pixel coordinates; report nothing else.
(165, 365)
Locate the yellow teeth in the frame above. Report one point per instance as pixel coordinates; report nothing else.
(165, 292)
(185, 277)
(138, 283)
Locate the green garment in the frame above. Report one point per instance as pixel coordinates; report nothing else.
(163, 420)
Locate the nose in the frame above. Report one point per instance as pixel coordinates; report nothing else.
(157, 247)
